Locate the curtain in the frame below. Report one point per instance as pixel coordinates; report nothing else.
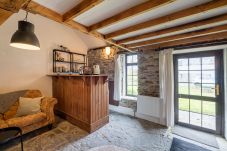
(117, 78)
(166, 87)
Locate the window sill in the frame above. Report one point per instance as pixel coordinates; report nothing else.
(129, 98)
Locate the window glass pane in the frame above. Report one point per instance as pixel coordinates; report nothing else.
(129, 80)
(135, 80)
(209, 115)
(129, 70)
(182, 64)
(209, 122)
(183, 76)
(195, 119)
(194, 64)
(208, 76)
(183, 116)
(195, 76)
(129, 90)
(135, 90)
(208, 90)
(195, 89)
(135, 70)
(208, 63)
(195, 106)
(183, 88)
(183, 104)
(195, 112)
(209, 108)
(129, 59)
(134, 59)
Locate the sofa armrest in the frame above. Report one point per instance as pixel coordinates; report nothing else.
(47, 106)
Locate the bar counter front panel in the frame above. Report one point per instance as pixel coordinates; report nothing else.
(82, 99)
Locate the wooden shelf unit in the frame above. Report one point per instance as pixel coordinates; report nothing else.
(71, 61)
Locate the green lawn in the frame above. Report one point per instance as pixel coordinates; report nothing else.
(208, 108)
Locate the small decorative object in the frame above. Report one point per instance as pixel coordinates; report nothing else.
(86, 70)
(24, 37)
(96, 69)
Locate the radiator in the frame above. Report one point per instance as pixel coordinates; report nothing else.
(147, 105)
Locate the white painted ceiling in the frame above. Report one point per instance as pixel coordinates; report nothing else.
(175, 23)
(155, 13)
(105, 10)
(109, 8)
(59, 6)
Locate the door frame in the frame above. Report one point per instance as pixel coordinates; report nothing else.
(220, 124)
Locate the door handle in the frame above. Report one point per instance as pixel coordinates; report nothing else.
(217, 89)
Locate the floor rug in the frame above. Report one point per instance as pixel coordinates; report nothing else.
(180, 145)
(198, 136)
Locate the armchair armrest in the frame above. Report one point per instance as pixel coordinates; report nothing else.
(47, 106)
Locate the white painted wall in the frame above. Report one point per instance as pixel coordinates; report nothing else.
(25, 69)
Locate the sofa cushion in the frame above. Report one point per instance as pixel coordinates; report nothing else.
(12, 111)
(28, 106)
(26, 120)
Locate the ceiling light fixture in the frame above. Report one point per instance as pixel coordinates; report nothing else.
(24, 37)
(108, 50)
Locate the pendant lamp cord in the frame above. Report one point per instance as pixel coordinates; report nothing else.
(26, 17)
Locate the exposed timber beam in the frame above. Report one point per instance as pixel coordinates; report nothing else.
(201, 23)
(13, 5)
(85, 5)
(171, 17)
(8, 7)
(136, 10)
(202, 32)
(188, 41)
(4, 15)
(36, 8)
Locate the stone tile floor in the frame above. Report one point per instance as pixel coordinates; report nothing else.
(122, 131)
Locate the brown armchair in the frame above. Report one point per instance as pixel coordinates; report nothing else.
(30, 122)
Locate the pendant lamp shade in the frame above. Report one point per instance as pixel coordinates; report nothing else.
(24, 37)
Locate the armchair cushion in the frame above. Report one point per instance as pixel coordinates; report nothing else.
(26, 120)
(28, 106)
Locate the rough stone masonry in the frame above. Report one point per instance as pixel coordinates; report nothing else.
(148, 69)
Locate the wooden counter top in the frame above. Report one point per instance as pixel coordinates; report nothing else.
(77, 75)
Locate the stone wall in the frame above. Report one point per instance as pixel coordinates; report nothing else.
(148, 73)
(148, 69)
(105, 62)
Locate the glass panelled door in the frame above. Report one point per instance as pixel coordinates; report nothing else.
(198, 94)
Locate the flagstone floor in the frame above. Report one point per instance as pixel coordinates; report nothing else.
(122, 131)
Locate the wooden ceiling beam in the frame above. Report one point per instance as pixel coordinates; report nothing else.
(13, 5)
(4, 15)
(198, 33)
(213, 20)
(82, 7)
(136, 10)
(188, 41)
(172, 17)
(36, 8)
(8, 7)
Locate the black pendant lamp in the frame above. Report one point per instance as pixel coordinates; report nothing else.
(24, 37)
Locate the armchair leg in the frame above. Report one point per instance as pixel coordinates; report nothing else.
(50, 126)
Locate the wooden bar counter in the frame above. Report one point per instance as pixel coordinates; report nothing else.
(82, 99)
